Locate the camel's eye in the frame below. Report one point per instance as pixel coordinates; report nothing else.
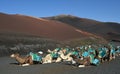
(12, 55)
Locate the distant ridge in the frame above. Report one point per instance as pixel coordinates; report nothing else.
(92, 26)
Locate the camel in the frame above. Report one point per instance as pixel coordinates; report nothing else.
(104, 55)
(80, 62)
(22, 61)
(49, 59)
(65, 57)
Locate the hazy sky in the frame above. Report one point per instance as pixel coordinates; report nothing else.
(101, 10)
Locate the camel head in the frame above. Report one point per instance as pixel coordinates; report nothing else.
(14, 55)
(49, 51)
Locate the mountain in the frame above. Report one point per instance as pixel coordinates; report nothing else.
(28, 25)
(108, 30)
(23, 34)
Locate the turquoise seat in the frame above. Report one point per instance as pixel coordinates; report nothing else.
(102, 53)
(54, 55)
(35, 57)
(85, 54)
(96, 62)
(112, 51)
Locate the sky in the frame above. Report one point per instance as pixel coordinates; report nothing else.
(100, 10)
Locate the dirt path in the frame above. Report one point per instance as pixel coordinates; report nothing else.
(8, 66)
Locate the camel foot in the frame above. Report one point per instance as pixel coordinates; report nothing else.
(25, 65)
(81, 66)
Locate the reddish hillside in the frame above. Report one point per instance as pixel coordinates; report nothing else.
(92, 26)
(39, 27)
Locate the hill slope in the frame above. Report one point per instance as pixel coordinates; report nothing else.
(22, 34)
(107, 30)
(40, 27)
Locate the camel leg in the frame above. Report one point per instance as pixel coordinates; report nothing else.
(58, 59)
(29, 60)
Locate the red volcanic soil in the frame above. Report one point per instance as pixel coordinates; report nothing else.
(39, 27)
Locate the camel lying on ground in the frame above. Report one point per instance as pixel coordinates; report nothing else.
(60, 58)
(23, 61)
